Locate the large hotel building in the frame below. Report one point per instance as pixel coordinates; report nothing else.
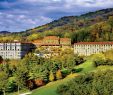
(14, 50)
(17, 50)
(88, 48)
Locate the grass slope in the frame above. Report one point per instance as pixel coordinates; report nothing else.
(50, 89)
(89, 65)
(16, 93)
(86, 66)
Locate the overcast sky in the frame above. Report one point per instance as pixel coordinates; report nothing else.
(19, 15)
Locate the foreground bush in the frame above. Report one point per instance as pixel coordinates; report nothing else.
(103, 62)
(99, 83)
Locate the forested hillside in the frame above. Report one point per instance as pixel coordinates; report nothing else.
(93, 26)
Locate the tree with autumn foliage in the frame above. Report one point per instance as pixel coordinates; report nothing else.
(59, 74)
(51, 76)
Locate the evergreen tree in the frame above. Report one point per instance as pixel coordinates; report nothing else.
(3, 81)
(21, 75)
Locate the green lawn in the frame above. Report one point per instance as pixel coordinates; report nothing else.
(16, 93)
(50, 89)
(89, 65)
(86, 66)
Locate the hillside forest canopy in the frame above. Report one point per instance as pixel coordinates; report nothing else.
(93, 26)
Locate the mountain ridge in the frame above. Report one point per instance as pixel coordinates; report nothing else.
(104, 13)
(67, 26)
(67, 19)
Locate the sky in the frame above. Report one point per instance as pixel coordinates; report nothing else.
(19, 15)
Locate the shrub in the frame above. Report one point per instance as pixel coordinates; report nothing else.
(39, 82)
(65, 72)
(99, 83)
(103, 62)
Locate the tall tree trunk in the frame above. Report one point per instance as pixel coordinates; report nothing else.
(18, 90)
(4, 91)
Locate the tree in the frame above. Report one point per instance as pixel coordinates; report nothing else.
(51, 76)
(34, 36)
(21, 75)
(59, 74)
(3, 81)
(67, 35)
(1, 59)
(110, 21)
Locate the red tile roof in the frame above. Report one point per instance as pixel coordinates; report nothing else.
(65, 39)
(100, 43)
(52, 37)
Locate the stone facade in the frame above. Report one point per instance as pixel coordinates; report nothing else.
(88, 48)
(14, 50)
